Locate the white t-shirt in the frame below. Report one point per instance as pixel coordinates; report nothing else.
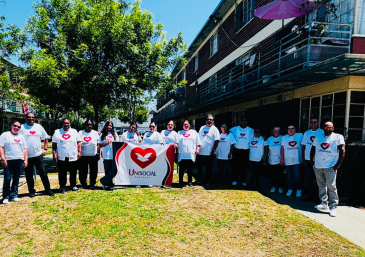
(14, 145)
(207, 136)
(188, 140)
(292, 148)
(242, 136)
(169, 137)
(34, 136)
(256, 149)
(130, 137)
(152, 138)
(107, 151)
(326, 155)
(224, 146)
(89, 142)
(274, 144)
(66, 143)
(308, 139)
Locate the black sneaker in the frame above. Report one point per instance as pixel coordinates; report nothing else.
(32, 195)
(63, 190)
(91, 187)
(50, 193)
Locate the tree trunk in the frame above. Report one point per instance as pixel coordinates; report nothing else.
(96, 111)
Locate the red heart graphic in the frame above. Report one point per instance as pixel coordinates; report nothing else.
(276, 142)
(312, 138)
(223, 138)
(293, 143)
(243, 134)
(254, 142)
(143, 157)
(166, 135)
(17, 140)
(325, 145)
(110, 136)
(206, 132)
(32, 132)
(186, 135)
(66, 136)
(87, 139)
(132, 137)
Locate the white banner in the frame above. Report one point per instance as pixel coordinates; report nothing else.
(145, 164)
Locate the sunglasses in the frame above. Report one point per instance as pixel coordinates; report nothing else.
(209, 119)
(291, 128)
(16, 126)
(224, 127)
(152, 126)
(313, 121)
(329, 128)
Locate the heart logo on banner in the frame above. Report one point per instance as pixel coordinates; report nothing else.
(243, 134)
(223, 138)
(32, 132)
(206, 132)
(312, 138)
(293, 143)
(87, 139)
(254, 142)
(143, 157)
(276, 142)
(66, 136)
(17, 140)
(186, 135)
(325, 145)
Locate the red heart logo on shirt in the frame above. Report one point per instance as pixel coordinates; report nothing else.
(243, 134)
(32, 132)
(276, 142)
(206, 132)
(312, 138)
(254, 142)
(166, 135)
(132, 137)
(66, 136)
(17, 140)
(143, 157)
(87, 139)
(293, 143)
(223, 138)
(186, 135)
(325, 145)
(110, 136)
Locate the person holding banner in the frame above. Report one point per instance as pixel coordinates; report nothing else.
(131, 135)
(107, 137)
(89, 154)
(189, 146)
(152, 137)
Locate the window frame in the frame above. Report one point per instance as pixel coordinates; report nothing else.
(196, 62)
(213, 49)
(240, 13)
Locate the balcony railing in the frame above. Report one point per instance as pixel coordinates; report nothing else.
(305, 46)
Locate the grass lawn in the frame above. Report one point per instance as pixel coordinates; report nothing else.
(168, 222)
(49, 148)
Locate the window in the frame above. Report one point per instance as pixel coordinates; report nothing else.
(244, 13)
(356, 116)
(196, 62)
(244, 59)
(212, 83)
(237, 116)
(214, 44)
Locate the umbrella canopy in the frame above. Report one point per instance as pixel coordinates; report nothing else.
(284, 9)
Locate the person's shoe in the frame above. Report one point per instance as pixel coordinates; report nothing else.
(50, 193)
(32, 195)
(299, 193)
(103, 187)
(309, 199)
(111, 188)
(6, 201)
(333, 212)
(244, 184)
(273, 189)
(234, 183)
(321, 206)
(15, 199)
(91, 187)
(207, 183)
(289, 192)
(281, 190)
(75, 188)
(190, 184)
(63, 190)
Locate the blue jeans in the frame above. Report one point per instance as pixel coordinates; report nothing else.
(13, 170)
(293, 172)
(107, 180)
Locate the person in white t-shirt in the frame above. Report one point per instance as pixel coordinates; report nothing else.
(327, 153)
(107, 137)
(189, 146)
(209, 137)
(272, 157)
(13, 154)
(170, 136)
(34, 134)
(310, 177)
(152, 136)
(224, 154)
(256, 156)
(241, 151)
(131, 135)
(89, 154)
(291, 157)
(66, 148)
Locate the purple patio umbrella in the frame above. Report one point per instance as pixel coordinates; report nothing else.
(284, 9)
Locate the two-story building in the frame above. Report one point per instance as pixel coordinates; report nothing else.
(278, 73)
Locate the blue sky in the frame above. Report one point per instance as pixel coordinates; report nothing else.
(187, 16)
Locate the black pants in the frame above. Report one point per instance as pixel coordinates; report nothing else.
(38, 163)
(224, 171)
(86, 162)
(277, 175)
(240, 163)
(188, 166)
(63, 167)
(206, 161)
(255, 177)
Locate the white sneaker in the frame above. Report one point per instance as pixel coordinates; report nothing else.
(299, 193)
(244, 184)
(333, 212)
(234, 183)
(16, 199)
(281, 190)
(321, 206)
(273, 189)
(6, 201)
(289, 192)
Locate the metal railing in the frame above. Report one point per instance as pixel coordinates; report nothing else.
(305, 46)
